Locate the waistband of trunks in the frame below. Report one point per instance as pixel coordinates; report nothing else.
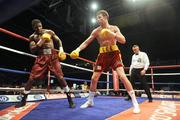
(106, 49)
(47, 51)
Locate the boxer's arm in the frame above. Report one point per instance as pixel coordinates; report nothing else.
(118, 36)
(61, 54)
(56, 38)
(87, 41)
(33, 46)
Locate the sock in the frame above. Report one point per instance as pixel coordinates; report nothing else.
(26, 91)
(66, 89)
(91, 96)
(133, 97)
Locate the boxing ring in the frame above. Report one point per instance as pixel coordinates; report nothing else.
(49, 103)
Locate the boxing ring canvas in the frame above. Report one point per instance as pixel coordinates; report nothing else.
(106, 107)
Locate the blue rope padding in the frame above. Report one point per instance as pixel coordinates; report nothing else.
(13, 71)
(160, 83)
(67, 78)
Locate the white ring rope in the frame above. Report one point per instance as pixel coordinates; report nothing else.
(161, 74)
(65, 64)
(77, 67)
(7, 89)
(16, 51)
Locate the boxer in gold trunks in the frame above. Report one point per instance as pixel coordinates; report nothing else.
(109, 56)
(41, 44)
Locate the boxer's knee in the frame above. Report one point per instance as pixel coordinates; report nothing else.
(122, 77)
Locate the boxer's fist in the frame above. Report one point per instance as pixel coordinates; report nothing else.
(106, 34)
(46, 37)
(62, 56)
(74, 54)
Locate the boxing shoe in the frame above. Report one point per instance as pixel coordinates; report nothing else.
(136, 109)
(72, 105)
(150, 100)
(22, 102)
(87, 104)
(70, 101)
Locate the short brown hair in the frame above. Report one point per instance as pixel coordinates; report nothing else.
(103, 12)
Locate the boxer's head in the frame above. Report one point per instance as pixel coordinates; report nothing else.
(36, 25)
(102, 16)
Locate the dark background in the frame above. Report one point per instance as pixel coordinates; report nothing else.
(153, 24)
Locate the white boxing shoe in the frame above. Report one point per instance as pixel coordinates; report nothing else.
(87, 104)
(136, 109)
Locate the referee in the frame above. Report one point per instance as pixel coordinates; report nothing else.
(138, 68)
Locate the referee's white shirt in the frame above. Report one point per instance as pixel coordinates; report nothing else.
(140, 60)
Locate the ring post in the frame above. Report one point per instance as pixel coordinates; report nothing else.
(152, 79)
(107, 87)
(49, 81)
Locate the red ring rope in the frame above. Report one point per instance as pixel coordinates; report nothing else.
(26, 39)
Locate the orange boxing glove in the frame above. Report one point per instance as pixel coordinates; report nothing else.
(75, 53)
(46, 36)
(62, 56)
(106, 34)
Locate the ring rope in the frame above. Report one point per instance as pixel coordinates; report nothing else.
(77, 67)
(160, 83)
(73, 79)
(27, 40)
(44, 90)
(34, 56)
(67, 78)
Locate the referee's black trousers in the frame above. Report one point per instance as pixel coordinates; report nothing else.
(136, 76)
